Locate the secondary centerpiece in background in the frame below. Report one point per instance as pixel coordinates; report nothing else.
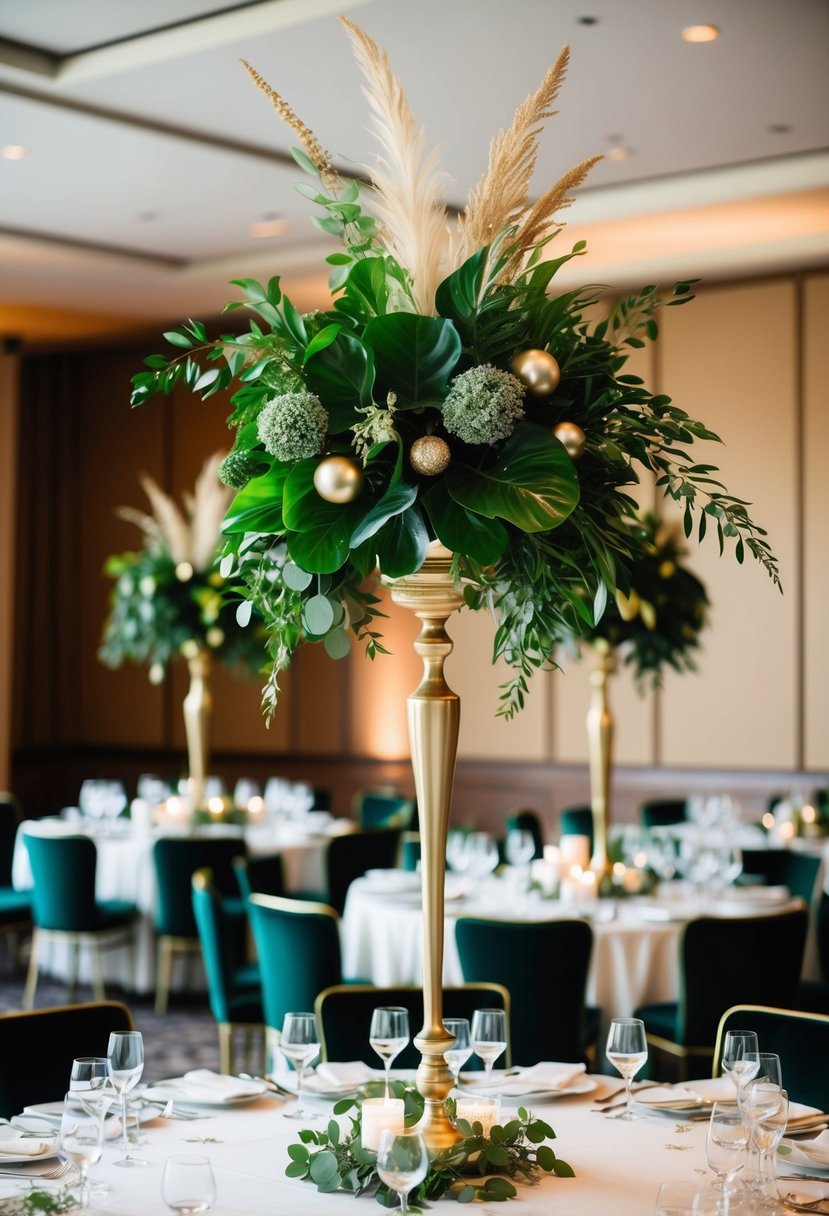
(169, 600)
(447, 398)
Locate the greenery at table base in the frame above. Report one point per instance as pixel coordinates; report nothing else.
(447, 394)
(40, 1203)
(476, 1167)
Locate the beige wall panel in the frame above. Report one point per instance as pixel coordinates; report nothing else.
(378, 689)
(816, 513)
(729, 358)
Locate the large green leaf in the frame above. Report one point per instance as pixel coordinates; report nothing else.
(413, 356)
(342, 376)
(462, 531)
(396, 499)
(302, 506)
(531, 482)
(258, 507)
(457, 296)
(323, 548)
(402, 543)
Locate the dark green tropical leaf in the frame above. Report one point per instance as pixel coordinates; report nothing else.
(401, 544)
(258, 507)
(462, 531)
(414, 356)
(342, 376)
(396, 499)
(457, 296)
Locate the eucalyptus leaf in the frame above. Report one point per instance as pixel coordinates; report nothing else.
(337, 644)
(317, 615)
(296, 578)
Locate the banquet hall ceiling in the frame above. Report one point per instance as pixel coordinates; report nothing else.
(150, 153)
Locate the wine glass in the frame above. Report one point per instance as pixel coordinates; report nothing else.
(125, 1054)
(681, 1198)
(725, 1147)
(89, 1080)
(461, 1048)
(627, 1051)
(300, 1043)
(734, 1063)
(766, 1133)
(762, 1066)
(457, 856)
(81, 1138)
(489, 1036)
(187, 1184)
(519, 850)
(402, 1162)
(482, 851)
(389, 1034)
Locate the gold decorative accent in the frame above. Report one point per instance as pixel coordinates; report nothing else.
(198, 705)
(600, 748)
(338, 479)
(573, 438)
(430, 455)
(538, 370)
(434, 720)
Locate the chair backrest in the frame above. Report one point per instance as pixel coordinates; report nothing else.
(216, 939)
(577, 821)
(377, 810)
(349, 857)
(344, 1017)
(9, 823)
(753, 960)
(176, 861)
(661, 813)
(259, 875)
(543, 965)
(410, 851)
(822, 931)
(63, 871)
(525, 820)
(37, 1049)
(298, 945)
(784, 867)
(800, 1039)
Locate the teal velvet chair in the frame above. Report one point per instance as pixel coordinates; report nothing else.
(344, 1017)
(350, 856)
(800, 1039)
(15, 906)
(64, 907)
(543, 965)
(176, 860)
(37, 1048)
(375, 809)
(233, 986)
(784, 867)
(662, 813)
(725, 962)
(577, 821)
(259, 875)
(813, 995)
(525, 820)
(410, 850)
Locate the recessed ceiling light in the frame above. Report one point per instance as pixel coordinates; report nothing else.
(271, 225)
(701, 33)
(618, 152)
(587, 20)
(14, 152)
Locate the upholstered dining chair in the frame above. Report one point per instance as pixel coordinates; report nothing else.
(234, 987)
(344, 1017)
(176, 860)
(800, 1039)
(813, 994)
(662, 813)
(577, 821)
(785, 868)
(543, 965)
(375, 809)
(525, 820)
(15, 906)
(37, 1048)
(64, 907)
(259, 875)
(350, 856)
(725, 962)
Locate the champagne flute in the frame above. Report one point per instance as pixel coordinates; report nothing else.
(402, 1162)
(766, 1133)
(389, 1034)
(461, 1048)
(187, 1184)
(126, 1064)
(725, 1147)
(734, 1063)
(300, 1043)
(81, 1138)
(627, 1051)
(489, 1036)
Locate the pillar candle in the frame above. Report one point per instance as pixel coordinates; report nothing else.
(380, 1115)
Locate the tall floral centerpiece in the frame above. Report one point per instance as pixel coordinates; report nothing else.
(451, 420)
(169, 600)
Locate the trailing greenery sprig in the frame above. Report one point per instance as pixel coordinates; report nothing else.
(44, 1203)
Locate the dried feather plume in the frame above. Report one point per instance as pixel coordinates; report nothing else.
(193, 538)
(407, 183)
(316, 153)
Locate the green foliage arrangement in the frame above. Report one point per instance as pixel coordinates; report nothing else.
(170, 597)
(476, 1167)
(421, 344)
(40, 1203)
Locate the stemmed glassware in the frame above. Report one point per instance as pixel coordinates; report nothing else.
(389, 1034)
(89, 1080)
(457, 857)
(81, 1138)
(402, 1162)
(125, 1054)
(187, 1184)
(461, 1048)
(767, 1107)
(300, 1043)
(765, 1068)
(519, 849)
(627, 1051)
(735, 1062)
(489, 1036)
(725, 1147)
(482, 850)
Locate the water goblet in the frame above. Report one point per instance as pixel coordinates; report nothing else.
(125, 1054)
(89, 1080)
(725, 1147)
(187, 1184)
(81, 1139)
(461, 1049)
(766, 1133)
(389, 1034)
(300, 1043)
(734, 1063)
(627, 1051)
(519, 850)
(761, 1066)
(457, 856)
(683, 1198)
(482, 849)
(489, 1036)
(402, 1162)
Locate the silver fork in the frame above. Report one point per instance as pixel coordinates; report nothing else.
(57, 1171)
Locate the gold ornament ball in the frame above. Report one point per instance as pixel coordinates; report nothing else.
(572, 436)
(538, 370)
(338, 479)
(430, 455)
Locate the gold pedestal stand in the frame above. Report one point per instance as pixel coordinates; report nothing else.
(198, 705)
(600, 749)
(434, 719)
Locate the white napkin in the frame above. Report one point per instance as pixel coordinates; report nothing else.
(339, 1076)
(14, 1143)
(541, 1077)
(215, 1087)
(661, 1094)
(816, 1150)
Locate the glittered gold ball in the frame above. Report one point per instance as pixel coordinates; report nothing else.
(572, 436)
(538, 370)
(430, 455)
(338, 479)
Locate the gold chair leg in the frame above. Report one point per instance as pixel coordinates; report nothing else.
(164, 976)
(98, 972)
(226, 1048)
(31, 978)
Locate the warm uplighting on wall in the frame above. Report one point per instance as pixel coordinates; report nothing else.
(701, 33)
(270, 225)
(14, 152)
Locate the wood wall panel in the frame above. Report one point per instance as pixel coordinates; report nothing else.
(816, 513)
(9, 430)
(729, 358)
(378, 688)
